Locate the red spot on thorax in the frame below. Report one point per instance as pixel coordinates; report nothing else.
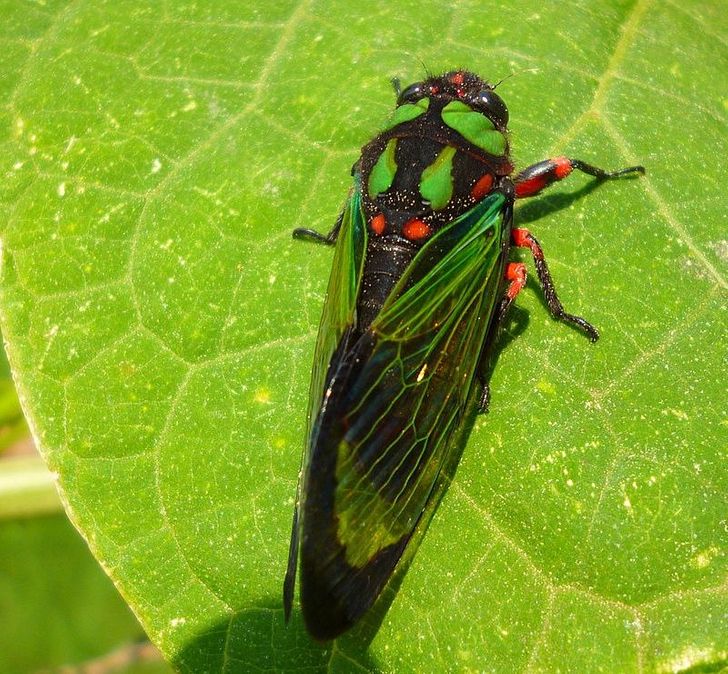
(457, 79)
(378, 223)
(416, 230)
(482, 187)
(434, 90)
(562, 167)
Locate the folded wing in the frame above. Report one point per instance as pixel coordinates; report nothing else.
(397, 397)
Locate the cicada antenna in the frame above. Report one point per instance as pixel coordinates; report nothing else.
(514, 73)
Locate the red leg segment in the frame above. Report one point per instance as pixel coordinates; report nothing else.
(516, 274)
(524, 239)
(537, 177)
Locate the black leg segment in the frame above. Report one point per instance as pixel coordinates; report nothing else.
(524, 239)
(312, 235)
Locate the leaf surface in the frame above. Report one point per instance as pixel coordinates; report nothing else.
(160, 321)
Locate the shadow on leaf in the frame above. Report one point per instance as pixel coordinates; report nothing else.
(257, 639)
(547, 204)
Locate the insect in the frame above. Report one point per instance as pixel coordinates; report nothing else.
(421, 283)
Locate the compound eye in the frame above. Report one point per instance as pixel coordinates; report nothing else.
(494, 107)
(412, 94)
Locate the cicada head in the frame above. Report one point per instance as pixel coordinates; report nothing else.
(460, 85)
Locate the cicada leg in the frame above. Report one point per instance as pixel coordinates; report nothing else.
(524, 239)
(535, 178)
(312, 235)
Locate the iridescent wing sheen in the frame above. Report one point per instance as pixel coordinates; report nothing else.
(337, 320)
(338, 315)
(396, 401)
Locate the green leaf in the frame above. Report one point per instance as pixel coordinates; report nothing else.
(160, 321)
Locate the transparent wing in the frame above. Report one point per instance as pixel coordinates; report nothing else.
(339, 308)
(337, 319)
(397, 399)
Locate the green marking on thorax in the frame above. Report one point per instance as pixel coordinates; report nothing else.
(383, 172)
(474, 126)
(408, 112)
(436, 181)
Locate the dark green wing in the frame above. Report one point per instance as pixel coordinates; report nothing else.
(396, 401)
(337, 321)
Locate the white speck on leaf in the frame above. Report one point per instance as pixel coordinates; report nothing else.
(634, 625)
(156, 165)
(721, 249)
(705, 557)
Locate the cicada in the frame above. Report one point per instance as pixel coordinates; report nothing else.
(420, 285)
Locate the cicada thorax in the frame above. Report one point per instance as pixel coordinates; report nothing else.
(437, 159)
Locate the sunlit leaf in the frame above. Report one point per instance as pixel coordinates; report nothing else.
(160, 321)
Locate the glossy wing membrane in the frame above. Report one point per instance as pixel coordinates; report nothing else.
(336, 323)
(396, 399)
(340, 306)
